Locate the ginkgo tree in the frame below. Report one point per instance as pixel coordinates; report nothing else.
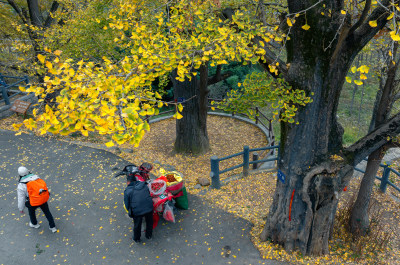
(320, 38)
(113, 96)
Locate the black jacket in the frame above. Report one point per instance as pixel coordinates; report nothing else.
(137, 198)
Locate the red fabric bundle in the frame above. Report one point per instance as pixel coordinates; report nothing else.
(176, 188)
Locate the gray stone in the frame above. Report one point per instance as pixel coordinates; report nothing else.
(203, 181)
(197, 186)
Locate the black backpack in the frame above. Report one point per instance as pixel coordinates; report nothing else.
(140, 201)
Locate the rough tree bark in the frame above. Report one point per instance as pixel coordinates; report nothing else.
(316, 165)
(191, 130)
(359, 219)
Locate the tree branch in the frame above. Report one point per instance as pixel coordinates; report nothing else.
(364, 14)
(219, 76)
(19, 11)
(270, 58)
(364, 33)
(50, 19)
(372, 141)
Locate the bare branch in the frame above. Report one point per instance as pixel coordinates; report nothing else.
(364, 14)
(372, 141)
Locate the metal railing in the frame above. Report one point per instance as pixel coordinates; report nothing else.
(216, 172)
(385, 177)
(5, 88)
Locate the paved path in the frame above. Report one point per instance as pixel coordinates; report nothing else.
(86, 202)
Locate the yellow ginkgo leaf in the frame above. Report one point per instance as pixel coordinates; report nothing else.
(305, 27)
(373, 23)
(57, 52)
(358, 82)
(49, 65)
(348, 79)
(363, 77)
(178, 116)
(395, 37)
(289, 22)
(180, 107)
(343, 12)
(390, 16)
(110, 144)
(41, 58)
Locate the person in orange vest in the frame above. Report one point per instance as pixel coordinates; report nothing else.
(33, 193)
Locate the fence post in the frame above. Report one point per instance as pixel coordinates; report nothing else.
(385, 178)
(215, 183)
(5, 96)
(255, 158)
(279, 155)
(256, 115)
(246, 157)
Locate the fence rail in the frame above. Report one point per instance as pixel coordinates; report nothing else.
(216, 172)
(266, 152)
(5, 88)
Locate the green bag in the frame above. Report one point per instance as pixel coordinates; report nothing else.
(182, 201)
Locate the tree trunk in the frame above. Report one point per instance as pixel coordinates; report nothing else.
(303, 220)
(34, 13)
(360, 110)
(191, 130)
(316, 170)
(359, 219)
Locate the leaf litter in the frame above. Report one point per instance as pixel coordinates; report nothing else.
(248, 198)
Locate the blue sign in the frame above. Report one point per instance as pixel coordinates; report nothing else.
(281, 176)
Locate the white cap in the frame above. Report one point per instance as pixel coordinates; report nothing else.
(23, 171)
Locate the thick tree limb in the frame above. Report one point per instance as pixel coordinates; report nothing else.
(17, 10)
(363, 16)
(364, 33)
(219, 76)
(50, 19)
(372, 141)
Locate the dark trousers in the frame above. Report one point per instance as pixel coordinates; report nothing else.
(137, 225)
(46, 211)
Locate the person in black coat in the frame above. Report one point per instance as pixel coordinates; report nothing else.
(139, 204)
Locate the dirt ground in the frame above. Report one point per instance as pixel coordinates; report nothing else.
(251, 198)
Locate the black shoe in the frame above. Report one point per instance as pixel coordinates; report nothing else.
(137, 240)
(148, 237)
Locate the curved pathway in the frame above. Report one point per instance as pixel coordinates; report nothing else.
(86, 202)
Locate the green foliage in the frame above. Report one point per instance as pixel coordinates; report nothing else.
(261, 90)
(81, 34)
